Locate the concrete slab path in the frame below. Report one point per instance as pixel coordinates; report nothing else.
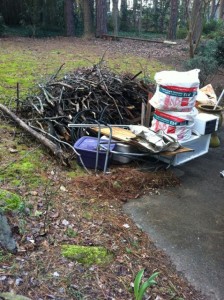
(187, 221)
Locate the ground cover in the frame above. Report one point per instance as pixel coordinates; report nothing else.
(62, 206)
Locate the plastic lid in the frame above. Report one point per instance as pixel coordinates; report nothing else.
(90, 144)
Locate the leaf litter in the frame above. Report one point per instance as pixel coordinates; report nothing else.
(88, 212)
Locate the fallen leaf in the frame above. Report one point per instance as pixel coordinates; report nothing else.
(33, 193)
(65, 222)
(126, 226)
(13, 150)
(63, 189)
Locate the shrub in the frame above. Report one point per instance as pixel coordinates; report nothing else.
(207, 66)
(214, 29)
(219, 53)
(209, 57)
(210, 26)
(207, 48)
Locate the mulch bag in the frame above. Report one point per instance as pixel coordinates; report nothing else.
(178, 123)
(176, 91)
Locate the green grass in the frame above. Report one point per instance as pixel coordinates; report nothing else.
(30, 65)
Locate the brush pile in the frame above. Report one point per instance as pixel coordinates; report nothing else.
(85, 96)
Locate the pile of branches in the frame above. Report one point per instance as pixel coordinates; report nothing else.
(85, 96)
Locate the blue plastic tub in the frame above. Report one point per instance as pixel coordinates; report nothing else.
(86, 146)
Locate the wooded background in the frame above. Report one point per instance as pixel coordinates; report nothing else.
(175, 18)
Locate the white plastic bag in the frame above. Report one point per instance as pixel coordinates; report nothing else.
(174, 78)
(176, 91)
(178, 123)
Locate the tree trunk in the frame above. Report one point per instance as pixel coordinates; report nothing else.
(213, 9)
(124, 15)
(195, 26)
(69, 17)
(101, 18)
(164, 6)
(155, 14)
(172, 30)
(115, 17)
(221, 10)
(196, 20)
(140, 19)
(135, 15)
(87, 6)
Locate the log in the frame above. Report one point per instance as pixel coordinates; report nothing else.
(43, 140)
(112, 37)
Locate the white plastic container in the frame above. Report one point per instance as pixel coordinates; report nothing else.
(200, 145)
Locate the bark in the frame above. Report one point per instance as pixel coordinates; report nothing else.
(221, 9)
(155, 14)
(44, 141)
(196, 20)
(101, 18)
(172, 30)
(115, 17)
(195, 26)
(135, 16)
(140, 18)
(164, 6)
(213, 9)
(87, 6)
(69, 17)
(124, 15)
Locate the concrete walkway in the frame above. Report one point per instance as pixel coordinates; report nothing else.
(187, 222)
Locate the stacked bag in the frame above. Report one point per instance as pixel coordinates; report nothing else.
(174, 103)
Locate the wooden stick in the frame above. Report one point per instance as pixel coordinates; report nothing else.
(148, 110)
(132, 38)
(43, 140)
(143, 114)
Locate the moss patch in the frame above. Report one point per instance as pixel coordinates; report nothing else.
(87, 255)
(9, 201)
(25, 167)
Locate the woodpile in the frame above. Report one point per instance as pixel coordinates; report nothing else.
(85, 96)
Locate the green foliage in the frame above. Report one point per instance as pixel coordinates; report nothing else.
(207, 66)
(71, 232)
(4, 257)
(140, 289)
(9, 201)
(219, 53)
(210, 26)
(214, 29)
(205, 60)
(86, 255)
(2, 25)
(182, 33)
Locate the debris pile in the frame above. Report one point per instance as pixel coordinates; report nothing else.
(88, 95)
(122, 184)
